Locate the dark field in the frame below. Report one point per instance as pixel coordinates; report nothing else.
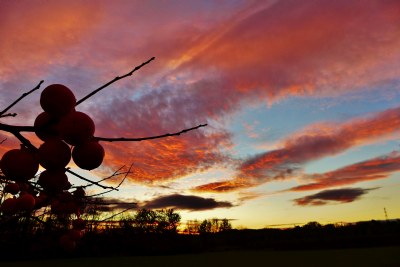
(382, 256)
(362, 244)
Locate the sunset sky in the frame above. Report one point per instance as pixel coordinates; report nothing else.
(301, 98)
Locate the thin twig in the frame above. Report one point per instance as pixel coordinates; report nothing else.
(112, 175)
(125, 139)
(116, 188)
(21, 97)
(108, 177)
(8, 115)
(116, 174)
(90, 181)
(114, 80)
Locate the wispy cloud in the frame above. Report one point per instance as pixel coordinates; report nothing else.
(376, 168)
(315, 142)
(292, 48)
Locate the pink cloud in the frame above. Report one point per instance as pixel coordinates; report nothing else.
(376, 168)
(163, 159)
(38, 35)
(166, 159)
(316, 142)
(305, 146)
(293, 48)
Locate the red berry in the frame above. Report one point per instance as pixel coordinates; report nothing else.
(19, 164)
(58, 100)
(76, 128)
(26, 202)
(88, 156)
(12, 188)
(53, 181)
(54, 154)
(46, 126)
(9, 206)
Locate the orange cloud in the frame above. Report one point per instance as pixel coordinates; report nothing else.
(305, 147)
(311, 145)
(224, 186)
(166, 159)
(8, 142)
(38, 35)
(293, 48)
(377, 168)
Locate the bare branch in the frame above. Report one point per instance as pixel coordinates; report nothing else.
(16, 128)
(113, 175)
(24, 141)
(114, 80)
(21, 97)
(116, 173)
(90, 181)
(124, 139)
(8, 115)
(115, 188)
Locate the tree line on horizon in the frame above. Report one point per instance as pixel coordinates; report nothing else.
(156, 232)
(156, 221)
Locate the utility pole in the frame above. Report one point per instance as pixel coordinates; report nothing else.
(386, 216)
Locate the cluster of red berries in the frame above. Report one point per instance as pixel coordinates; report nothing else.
(66, 133)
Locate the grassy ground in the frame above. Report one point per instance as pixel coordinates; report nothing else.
(382, 257)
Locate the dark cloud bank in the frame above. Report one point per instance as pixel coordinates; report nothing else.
(342, 195)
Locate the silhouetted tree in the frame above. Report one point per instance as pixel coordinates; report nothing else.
(225, 225)
(145, 220)
(156, 221)
(214, 225)
(205, 227)
(192, 227)
(312, 225)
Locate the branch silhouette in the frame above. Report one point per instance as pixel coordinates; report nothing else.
(115, 188)
(19, 99)
(125, 139)
(8, 115)
(90, 181)
(114, 80)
